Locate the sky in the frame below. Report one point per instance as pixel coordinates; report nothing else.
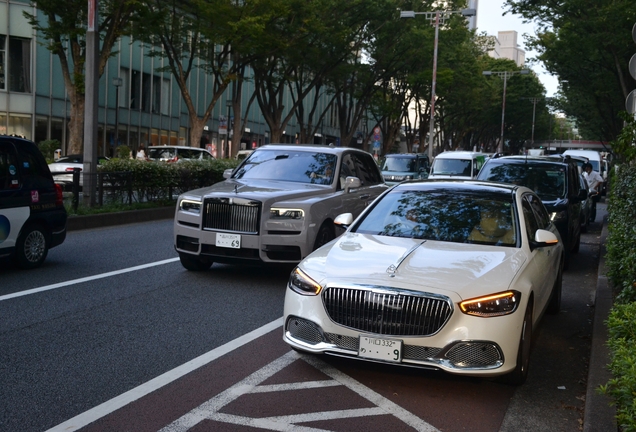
(491, 20)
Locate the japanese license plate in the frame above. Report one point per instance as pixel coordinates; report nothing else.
(228, 240)
(380, 349)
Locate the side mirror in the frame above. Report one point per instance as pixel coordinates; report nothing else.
(352, 183)
(583, 194)
(543, 238)
(227, 173)
(343, 220)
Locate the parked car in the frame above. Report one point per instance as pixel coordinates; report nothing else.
(420, 280)
(170, 153)
(277, 206)
(555, 179)
(32, 214)
(457, 165)
(66, 164)
(242, 154)
(397, 167)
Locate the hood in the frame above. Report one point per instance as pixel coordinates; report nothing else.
(465, 269)
(261, 189)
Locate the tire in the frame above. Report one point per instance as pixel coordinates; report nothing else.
(32, 246)
(325, 235)
(194, 263)
(520, 373)
(577, 245)
(554, 305)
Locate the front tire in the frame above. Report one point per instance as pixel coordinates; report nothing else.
(194, 263)
(325, 235)
(520, 373)
(32, 247)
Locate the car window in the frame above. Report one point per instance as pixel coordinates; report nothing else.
(546, 180)
(289, 165)
(347, 168)
(399, 164)
(467, 218)
(541, 214)
(161, 153)
(367, 169)
(34, 167)
(460, 167)
(529, 218)
(9, 174)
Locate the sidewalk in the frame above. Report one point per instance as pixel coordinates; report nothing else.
(75, 223)
(599, 415)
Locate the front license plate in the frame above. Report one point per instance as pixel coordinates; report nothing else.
(380, 349)
(228, 240)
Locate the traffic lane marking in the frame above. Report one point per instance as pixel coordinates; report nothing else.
(182, 375)
(86, 279)
(442, 401)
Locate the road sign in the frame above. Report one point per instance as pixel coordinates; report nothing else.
(632, 66)
(630, 102)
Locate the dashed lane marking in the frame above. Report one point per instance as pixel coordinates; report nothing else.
(210, 409)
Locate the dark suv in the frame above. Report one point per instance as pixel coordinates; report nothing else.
(555, 179)
(32, 214)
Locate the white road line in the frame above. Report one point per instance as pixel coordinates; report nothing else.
(295, 386)
(124, 399)
(86, 279)
(209, 410)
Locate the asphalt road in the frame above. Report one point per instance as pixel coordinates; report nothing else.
(112, 309)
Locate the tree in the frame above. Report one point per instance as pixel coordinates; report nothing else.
(588, 44)
(63, 30)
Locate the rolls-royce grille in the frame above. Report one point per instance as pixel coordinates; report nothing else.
(386, 313)
(232, 215)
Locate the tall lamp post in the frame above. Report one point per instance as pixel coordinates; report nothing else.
(534, 101)
(117, 82)
(505, 75)
(435, 18)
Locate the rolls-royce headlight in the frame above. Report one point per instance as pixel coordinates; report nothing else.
(190, 206)
(286, 213)
(492, 305)
(303, 284)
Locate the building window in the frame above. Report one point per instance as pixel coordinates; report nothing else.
(19, 65)
(20, 125)
(41, 129)
(3, 66)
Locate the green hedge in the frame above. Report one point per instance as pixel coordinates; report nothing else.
(158, 181)
(621, 265)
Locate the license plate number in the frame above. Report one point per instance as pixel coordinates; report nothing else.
(380, 349)
(228, 240)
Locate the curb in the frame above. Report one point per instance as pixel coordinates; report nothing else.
(600, 415)
(75, 223)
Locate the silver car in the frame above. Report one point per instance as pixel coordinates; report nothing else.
(62, 168)
(276, 207)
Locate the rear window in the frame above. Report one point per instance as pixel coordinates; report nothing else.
(546, 180)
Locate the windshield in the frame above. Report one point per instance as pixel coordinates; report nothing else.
(546, 180)
(399, 164)
(429, 215)
(451, 167)
(289, 165)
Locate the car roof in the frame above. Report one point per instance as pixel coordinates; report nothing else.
(529, 159)
(177, 147)
(310, 147)
(460, 153)
(409, 155)
(459, 185)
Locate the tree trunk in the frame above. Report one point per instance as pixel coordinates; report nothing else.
(76, 124)
(196, 130)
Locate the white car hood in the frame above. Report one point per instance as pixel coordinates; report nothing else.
(433, 266)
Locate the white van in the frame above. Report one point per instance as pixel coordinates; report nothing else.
(457, 164)
(593, 157)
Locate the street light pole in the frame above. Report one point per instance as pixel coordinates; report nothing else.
(505, 75)
(435, 18)
(534, 101)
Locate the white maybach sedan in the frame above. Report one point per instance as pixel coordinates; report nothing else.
(447, 275)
